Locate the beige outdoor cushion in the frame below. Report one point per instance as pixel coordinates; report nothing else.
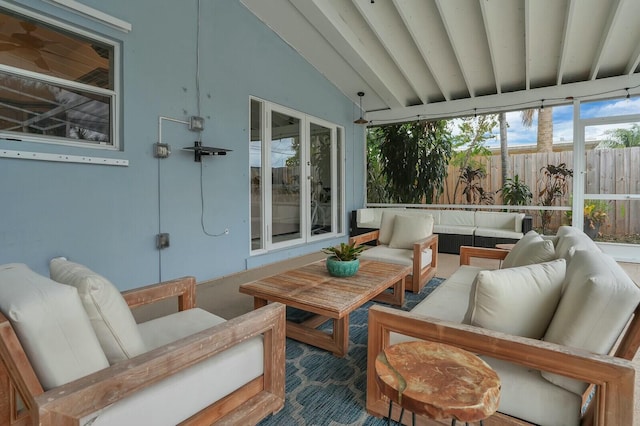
(382, 253)
(531, 248)
(518, 301)
(386, 227)
(598, 300)
(51, 324)
(110, 316)
(567, 243)
(409, 229)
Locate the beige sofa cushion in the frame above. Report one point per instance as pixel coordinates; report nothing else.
(527, 395)
(51, 324)
(409, 229)
(570, 240)
(531, 248)
(598, 300)
(499, 220)
(382, 253)
(110, 316)
(176, 398)
(518, 301)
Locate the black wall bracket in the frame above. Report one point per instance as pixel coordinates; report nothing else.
(200, 150)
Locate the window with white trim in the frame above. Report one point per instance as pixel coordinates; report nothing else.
(57, 84)
(297, 177)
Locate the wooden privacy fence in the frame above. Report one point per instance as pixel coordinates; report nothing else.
(608, 171)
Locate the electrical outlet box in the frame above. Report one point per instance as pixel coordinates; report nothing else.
(162, 240)
(161, 150)
(196, 124)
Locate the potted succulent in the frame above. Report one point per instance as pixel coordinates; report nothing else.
(343, 261)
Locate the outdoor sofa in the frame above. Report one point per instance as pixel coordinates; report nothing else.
(72, 354)
(551, 323)
(455, 228)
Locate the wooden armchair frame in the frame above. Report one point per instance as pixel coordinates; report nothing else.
(421, 274)
(614, 375)
(75, 402)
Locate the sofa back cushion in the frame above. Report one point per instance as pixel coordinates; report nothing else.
(409, 229)
(598, 300)
(499, 220)
(457, 218)
(51, 324)
(567, 244)
(530, 249)
(110, 315)
(518, 301)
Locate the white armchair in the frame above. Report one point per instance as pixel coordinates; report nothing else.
(70, 354)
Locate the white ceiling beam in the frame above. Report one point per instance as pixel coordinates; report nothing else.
(634, 61)
(513, 101)
(614, 14)
(354, 46)
(564, 47)
(387, 26)
(492, 49)
(454, 45)
(418, 33)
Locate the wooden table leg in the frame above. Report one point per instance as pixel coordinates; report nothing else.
(259, 303)
(336, 342)
(396, 297)
(341, 335)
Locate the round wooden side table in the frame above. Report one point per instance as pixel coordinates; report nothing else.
(437, 380)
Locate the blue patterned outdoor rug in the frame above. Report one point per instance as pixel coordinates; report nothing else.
(325, 390)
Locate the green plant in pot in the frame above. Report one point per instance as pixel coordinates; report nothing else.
(595, 215)
(343, 261)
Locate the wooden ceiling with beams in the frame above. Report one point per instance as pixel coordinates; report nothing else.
(445, 58)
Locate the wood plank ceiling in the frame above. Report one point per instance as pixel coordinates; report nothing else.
(445, 58)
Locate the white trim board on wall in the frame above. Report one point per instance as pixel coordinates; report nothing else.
(95, 14)
(63, 158)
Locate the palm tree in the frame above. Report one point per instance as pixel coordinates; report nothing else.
(545, 126)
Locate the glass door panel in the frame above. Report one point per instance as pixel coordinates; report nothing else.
(255, 159)
(285, 156)
(611, 190)
(320, 177)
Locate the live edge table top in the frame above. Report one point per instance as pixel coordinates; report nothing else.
(311, 288)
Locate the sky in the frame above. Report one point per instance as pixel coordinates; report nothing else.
(563, 122)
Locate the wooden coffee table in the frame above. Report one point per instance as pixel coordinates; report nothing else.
(311, 289)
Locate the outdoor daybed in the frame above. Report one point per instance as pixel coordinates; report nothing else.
(547, 322)
(72, 354)
(455, 227)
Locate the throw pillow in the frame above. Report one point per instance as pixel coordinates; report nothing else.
(110, 316)
(386, 227)
(598, 300)
(51, 324)
(520, 301)
(531, 248)
(409, 229)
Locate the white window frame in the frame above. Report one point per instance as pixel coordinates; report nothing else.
(337, 179)
(114, 94)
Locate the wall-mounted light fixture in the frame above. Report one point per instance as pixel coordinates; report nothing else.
(361, 120)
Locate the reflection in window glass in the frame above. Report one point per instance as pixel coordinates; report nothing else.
(255, 158)
(285, 177)
(34, 101)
